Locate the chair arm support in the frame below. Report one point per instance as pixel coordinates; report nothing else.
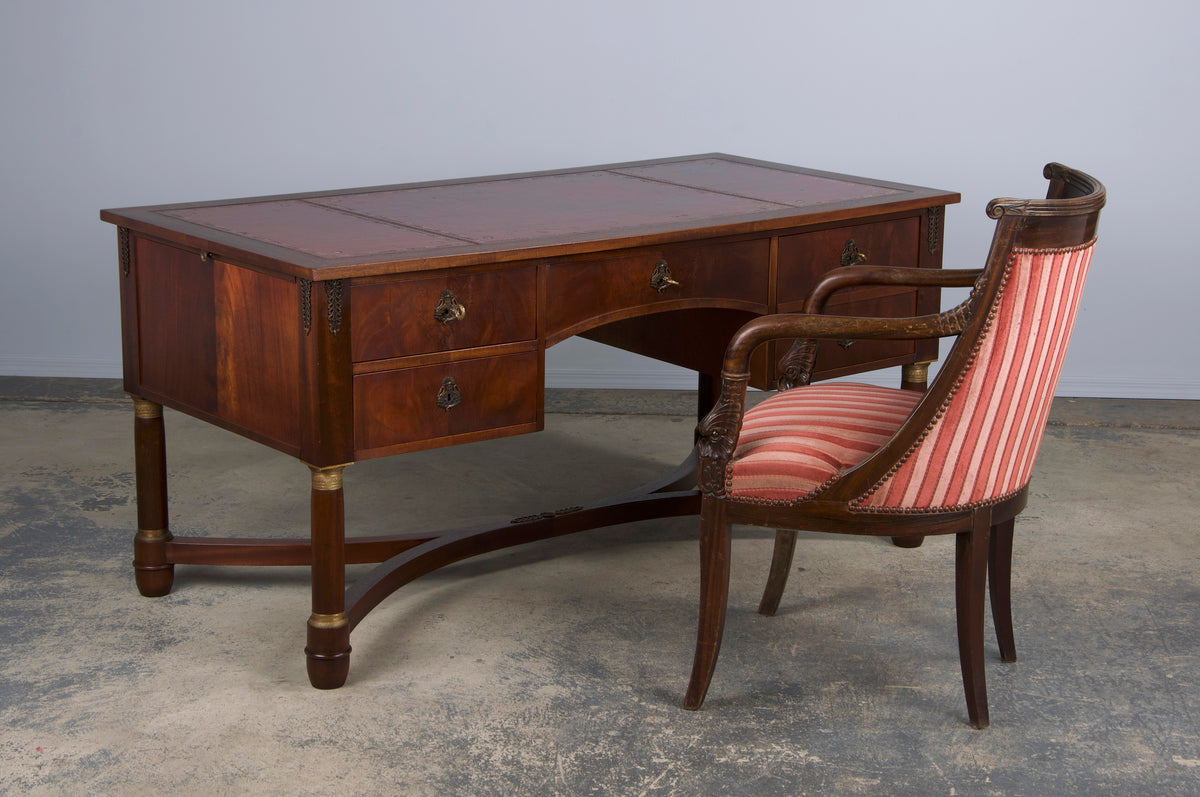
(717, 434)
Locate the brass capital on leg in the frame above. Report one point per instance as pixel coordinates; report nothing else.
(915, 376)
(327, 479)
(147, 410)
(153, 535)
(316, 620)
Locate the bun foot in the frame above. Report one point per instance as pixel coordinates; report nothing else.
(154, 581)
(151, 570)
(328, 672)
(328, 650)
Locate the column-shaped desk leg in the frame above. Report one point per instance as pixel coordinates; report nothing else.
(328, 648)
(913, 376)
(153, 573)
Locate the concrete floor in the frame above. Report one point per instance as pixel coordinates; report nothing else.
(558, 668)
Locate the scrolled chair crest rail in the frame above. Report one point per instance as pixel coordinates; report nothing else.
(1084, 195)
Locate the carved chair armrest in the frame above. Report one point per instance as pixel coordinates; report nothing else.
(717, 434)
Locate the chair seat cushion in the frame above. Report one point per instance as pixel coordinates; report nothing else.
(801, 439)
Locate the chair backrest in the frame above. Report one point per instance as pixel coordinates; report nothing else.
(974, 437)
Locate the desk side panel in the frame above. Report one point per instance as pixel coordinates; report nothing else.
(177, 344)
(258, 340)
(217, 341)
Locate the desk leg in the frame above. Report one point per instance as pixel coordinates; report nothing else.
(328, 648)
(152, 572)
(914, 376)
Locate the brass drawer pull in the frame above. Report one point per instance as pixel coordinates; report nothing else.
(449, 396)
(449, 309)
(851, 256)
(661, 278)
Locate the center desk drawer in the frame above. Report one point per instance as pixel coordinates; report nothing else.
(402, 317)
(453, 402)
(580, 292)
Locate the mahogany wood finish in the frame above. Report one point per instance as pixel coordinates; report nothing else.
(984, 530)
(338, 326)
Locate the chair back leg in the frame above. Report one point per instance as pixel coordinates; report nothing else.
(714, 597)
(781, 566)
(1000, 587)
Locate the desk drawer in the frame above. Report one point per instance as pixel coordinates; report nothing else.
(804, 258)
(582, 293)
(453, 402)
(403, 317)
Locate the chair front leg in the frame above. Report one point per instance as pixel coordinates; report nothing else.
(781, 566)
(714, 596)
(1000, 587)
(970, 571)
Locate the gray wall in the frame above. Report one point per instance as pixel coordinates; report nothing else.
(130, 102)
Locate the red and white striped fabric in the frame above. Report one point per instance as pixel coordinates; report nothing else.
(982, 445)
(798, 440)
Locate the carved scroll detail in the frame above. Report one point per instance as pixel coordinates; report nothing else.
(717, 435)
(954, 320)
(798, 364)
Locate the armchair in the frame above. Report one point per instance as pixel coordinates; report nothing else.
(859, 459)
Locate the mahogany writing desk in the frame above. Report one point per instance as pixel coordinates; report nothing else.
(344, 325)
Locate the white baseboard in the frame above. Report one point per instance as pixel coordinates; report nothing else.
(77, 367)
(665, 378)
(672, 379)
(679, 379)
(603, 379)
(1129, 388)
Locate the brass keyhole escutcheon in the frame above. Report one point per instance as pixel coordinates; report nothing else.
(449, 396)
(449, 309)
(661, 278)
(851, 256)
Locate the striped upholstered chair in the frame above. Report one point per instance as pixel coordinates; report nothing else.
(858, 459)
